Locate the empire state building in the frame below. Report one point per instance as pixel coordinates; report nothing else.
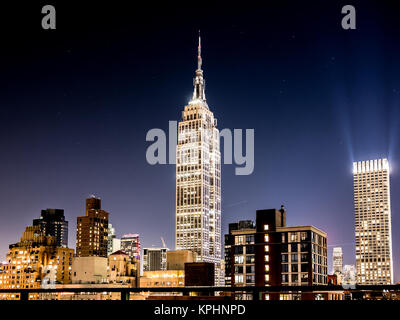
(198, 179)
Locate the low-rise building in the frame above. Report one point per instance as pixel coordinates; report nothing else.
(35, 262)
(176, 259)
(123, 269)
(89, 270)
(162, 278)
(269, 253)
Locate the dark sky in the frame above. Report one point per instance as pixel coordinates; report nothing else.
(76, 104)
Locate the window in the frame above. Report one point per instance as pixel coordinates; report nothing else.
(250, 279)
(239, 259)
(239, 249)
(294, 257)
(293, 236)
(304, 267)
(294, 268)
(304, 236)
(266, 248)
(238, 269)
(285, 268)
(239, 239)
(249, 239)
(266, 238)
(250, 269)
(266, 258)
(250, 259)
(250, 249)
(239, 278)
(267, 277)
(266, 227)
(304, 247)
(266, 267)
(285, 258)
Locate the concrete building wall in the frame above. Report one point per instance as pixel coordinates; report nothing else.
(89, 270)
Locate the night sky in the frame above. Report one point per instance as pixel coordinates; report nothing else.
(76, 104)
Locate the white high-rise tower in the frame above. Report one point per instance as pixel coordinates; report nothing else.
(198, 179)
(337, 260)
(373, 222)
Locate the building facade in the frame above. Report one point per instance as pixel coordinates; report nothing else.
(154, 259)
(92, 230)
(123, 269)
(113, 244)
(35, 262)
(373, 230)
(268, 253)
(53, 223)
(176, 259)
(199, 274)
(337, 260)
(198, 179)
(162, 278)
(349, 275)
(130, 244)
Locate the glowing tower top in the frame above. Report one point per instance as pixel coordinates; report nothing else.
(199, 94)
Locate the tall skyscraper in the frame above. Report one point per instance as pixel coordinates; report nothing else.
(130, 244)
(373, 231)
(337, 260)
(154, 259)
(53, 223)
(92, 230)
(198, 179)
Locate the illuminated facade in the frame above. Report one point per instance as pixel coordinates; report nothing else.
(34, 262)
(373, 231)
(198, 179)
(337, 260)
(162, 278)
(130, 244)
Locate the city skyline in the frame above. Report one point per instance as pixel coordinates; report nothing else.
(312, 97)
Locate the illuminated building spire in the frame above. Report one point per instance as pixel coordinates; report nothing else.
(199, 94)
(199, 54)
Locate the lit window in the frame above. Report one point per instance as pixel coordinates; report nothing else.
(266, 238)
(266, 258)
(239, 259)
(267, 277)
(238, 278)
(266, 248)
(266, 227)
(267, 267)
(266, 297)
